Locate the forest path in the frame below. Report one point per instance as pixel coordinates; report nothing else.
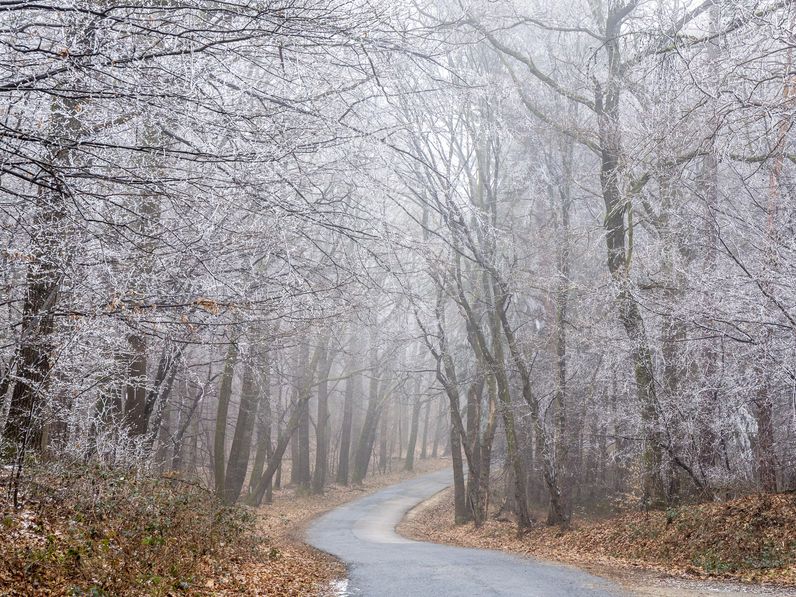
(381, 563)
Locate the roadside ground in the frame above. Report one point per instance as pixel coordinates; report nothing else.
(583, 547)
(288, 567)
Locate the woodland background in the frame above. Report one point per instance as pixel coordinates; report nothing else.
(270, 242)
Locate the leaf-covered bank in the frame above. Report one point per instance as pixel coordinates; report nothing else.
(90, 531)
(82, 530)
(751, 539)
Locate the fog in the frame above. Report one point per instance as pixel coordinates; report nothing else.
(300, 242)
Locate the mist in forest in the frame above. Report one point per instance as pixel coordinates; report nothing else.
(267, 243)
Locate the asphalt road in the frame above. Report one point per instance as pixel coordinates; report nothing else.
(381, 563)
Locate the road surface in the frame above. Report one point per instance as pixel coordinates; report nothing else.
(381, 563)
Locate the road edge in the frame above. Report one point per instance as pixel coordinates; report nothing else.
(646, 582)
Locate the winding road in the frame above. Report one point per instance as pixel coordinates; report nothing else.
(381, 563)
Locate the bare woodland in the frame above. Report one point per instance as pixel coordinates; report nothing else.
(268, 242)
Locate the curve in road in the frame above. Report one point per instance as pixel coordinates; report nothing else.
(381, 563)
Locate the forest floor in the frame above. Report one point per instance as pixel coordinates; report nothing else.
(741, 547)
(95, 532)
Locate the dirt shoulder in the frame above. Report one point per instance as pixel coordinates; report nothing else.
(290, 567)
(599, 547)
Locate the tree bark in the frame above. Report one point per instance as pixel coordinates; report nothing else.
(345, 433)
(474, 501)
(438, 425)
(240, 451)
(424, 441)
(303, 396)
(49, 250)
(368, 435)
(303, 472)
(619, 258)
(461, 514)
(264, 421)
(322, 421)
(409, 464)
(220, 435)
(383, 437)
(135, 403)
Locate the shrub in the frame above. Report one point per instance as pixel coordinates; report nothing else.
(89, 530)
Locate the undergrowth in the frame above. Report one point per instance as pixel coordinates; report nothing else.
(88, 530)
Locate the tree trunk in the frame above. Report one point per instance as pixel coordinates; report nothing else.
(764, 447)
(412, 443)
(399, 431)
(438, 425)
(186, 420)
(159, 394)
(219, 438)
(296, 447)
(295, 459)
(240, 450)
(368, 435)
(135, 403)
(424, 441)
(459, 496)
(304, 476)
(560, 512)
(383, 437)
(494, 357)
(49, 251)
(474, 501)
(183, 419)
(619, 254)
(322, 422)
(345, 433)
(263, 426)
(302, 398)
(164, 439)
(485, 458)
